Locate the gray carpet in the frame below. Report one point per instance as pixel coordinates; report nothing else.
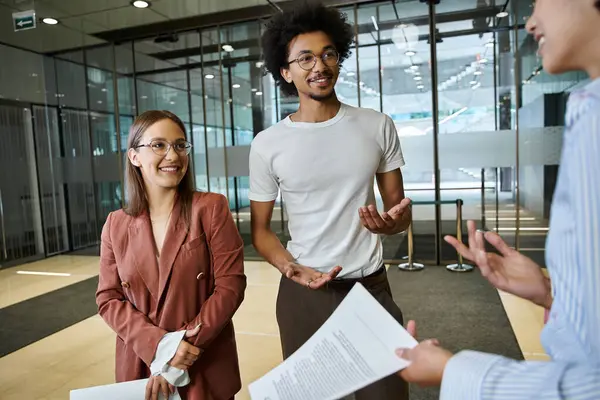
(34, 319)
(460, 309)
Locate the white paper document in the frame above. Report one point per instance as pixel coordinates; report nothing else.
(132, 390)
(354, 348)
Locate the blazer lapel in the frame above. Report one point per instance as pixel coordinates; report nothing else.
(142, 241)
(176, 234)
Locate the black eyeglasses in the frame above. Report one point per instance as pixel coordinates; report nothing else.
(161, 147)
(307, 61)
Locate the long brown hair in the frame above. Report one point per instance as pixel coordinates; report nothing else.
(136, 199)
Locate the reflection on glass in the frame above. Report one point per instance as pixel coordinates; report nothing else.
(79, 178)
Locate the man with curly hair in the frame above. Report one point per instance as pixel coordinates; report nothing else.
(324, 159)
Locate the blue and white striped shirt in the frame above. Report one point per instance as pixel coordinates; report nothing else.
(572, 335)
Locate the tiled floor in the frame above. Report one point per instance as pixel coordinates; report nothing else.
(83, 354)
(31, 280)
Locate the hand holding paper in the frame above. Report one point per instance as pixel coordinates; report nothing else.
(354, 348)
(427, 360)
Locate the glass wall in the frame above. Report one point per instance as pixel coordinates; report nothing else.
(478, 124)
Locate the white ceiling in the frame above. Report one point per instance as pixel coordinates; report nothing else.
(80, 18)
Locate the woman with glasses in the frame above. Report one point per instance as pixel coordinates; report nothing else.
(323, 159)
(171, 272)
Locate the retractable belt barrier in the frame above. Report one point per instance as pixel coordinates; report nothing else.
(411, 265)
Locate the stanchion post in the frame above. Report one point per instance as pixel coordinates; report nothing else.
(410, 265)
(460, 267)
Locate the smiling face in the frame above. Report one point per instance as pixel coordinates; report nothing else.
(157, 168)
(567, 33)
(314, 81)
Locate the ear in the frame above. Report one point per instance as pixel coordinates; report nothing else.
(133, 157)
(286, 74)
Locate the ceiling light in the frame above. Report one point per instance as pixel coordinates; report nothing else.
(420, 86)
(249, 105)
(228, 48)
(473, 82)
(418, 78)
(172, 102)
(140, 4)
(209, 76)
(477, 73)
(236, 85)
(50, 21)
(490, 44)
(259, 93)
(483, 60)
(42, 273)
(350, 73)
(414, 67)
(502, 14)
(254, 89)
(410, 53)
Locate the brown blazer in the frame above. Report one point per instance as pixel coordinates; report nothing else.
(199, 279)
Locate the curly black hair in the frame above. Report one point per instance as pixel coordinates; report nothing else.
(305, 18)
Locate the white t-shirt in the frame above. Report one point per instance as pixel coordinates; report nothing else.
(326, 172)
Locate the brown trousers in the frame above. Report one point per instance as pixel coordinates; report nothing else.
(301, 312)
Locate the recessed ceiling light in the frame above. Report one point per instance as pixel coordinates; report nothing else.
(228, 48)
(477, 73)
(50, 21)
(259, 93)
(418, 78)
(414, 67)
(236, 85)
(209, 76)
(473, 82)
(172, 102)
(410, 53)
(254, 89)
(140, 4)
(502, 14)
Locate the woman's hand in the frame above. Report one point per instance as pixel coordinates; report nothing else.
(186, 354)
(510, 271)
(427, 360)
(156, 385)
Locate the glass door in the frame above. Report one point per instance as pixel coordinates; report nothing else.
(20, 215)
(52, 187)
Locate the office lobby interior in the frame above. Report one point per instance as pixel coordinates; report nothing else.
(479, 121)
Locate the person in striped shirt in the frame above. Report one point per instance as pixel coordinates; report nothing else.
(568, 34)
